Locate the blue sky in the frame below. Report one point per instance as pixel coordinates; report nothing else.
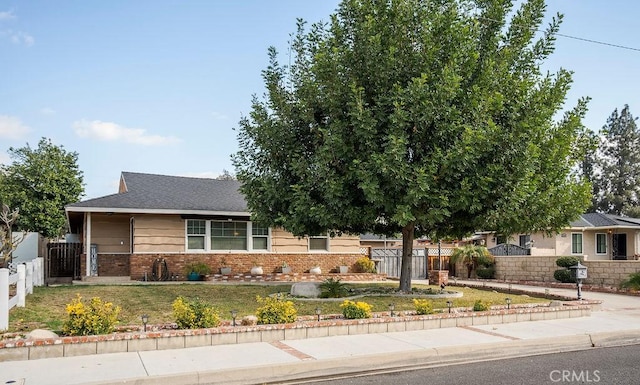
(158, 86)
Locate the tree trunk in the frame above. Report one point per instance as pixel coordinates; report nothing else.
(407, 255)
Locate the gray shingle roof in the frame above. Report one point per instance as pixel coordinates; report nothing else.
(176, 193)
(604, 220)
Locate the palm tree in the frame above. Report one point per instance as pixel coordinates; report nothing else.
(471, 256)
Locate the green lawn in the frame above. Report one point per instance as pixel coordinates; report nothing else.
(46, 306)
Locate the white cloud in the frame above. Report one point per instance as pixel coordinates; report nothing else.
(22, 38)
(18, 37)
(112, 132)
(4, 159)
(219, 116)
(47, 111)
(12, 128)
(7, 15)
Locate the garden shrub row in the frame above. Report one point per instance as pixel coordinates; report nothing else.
(98, 317)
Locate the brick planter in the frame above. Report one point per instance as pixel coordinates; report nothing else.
(30, 349)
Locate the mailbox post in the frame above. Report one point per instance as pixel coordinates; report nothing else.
(579, 271)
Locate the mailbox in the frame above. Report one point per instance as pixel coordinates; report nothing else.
(579, 271)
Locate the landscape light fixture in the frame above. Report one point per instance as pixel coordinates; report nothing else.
(392, 307)
(508, 302)
(449, 304)
(145, 319)
(318, 312)
(234, 314)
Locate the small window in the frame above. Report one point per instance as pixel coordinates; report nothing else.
(260, 235)
(601, 243)
(576, 243)
(525, 241)
(320, 243)
(196, 230)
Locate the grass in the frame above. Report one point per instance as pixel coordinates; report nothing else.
(45, 308)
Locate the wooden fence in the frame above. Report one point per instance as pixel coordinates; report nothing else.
(28, 275)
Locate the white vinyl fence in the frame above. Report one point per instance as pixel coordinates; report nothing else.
(28, 275)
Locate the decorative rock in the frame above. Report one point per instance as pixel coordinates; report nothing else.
(249, 320)
(41, 333)
(306, 289)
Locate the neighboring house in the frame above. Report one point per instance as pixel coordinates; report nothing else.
(594, 236)
(181, 220)
(30, 246)
(379, 241)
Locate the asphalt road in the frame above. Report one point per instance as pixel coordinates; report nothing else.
(614, 366)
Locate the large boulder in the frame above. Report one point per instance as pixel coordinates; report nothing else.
(306, 289)
(41, 333)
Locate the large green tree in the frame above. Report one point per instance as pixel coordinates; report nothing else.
(40, 182)
(618, 181)
(415, 117)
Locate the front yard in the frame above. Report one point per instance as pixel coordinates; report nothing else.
(45, 308)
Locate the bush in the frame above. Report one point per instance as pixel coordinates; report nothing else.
(275, 311)
(194, 314)
(485, 260)
(567, 261)
(633, 282)
(333, 288)
(564, 276)
(481, 306)
(97, 317)
(355, 310)
(423, 306)
(365, 265)
(486, 272)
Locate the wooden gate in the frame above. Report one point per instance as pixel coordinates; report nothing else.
(63, 261)
(390, 261)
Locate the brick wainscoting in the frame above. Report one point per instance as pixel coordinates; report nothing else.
(241, 264)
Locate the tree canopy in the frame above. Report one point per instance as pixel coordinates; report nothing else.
(415, 117)
(616, 170)
(40, 182)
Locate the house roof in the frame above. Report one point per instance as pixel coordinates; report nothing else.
(151, 193)
(378, 238)
(600, 220)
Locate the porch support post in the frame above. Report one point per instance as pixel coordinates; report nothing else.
(87, 246)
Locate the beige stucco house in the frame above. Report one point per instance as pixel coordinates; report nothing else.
(180, 220)
(593, 236)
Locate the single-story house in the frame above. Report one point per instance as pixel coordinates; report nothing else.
(179, 220)
(593, 236)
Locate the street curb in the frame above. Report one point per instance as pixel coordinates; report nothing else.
(419, 359)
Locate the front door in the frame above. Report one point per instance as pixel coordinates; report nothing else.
(619, 246)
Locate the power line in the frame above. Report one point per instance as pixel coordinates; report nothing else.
(575, 37)
(598, 42)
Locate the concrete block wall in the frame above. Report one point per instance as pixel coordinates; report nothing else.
(541, 268)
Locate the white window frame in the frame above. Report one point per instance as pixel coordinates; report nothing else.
(252, 236)
(187, 235)
(325, 237)
(207, 238)
(606, 244)
(581, 244)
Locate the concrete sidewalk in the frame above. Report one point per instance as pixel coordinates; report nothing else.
(288, 361)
